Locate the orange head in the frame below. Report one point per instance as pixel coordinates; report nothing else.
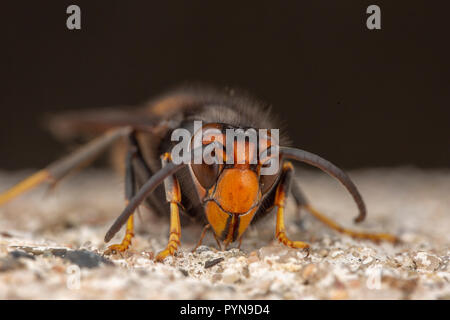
(230, 184)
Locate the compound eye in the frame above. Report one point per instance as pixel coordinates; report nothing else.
(206, 174)
(208, 171)
(267, 180)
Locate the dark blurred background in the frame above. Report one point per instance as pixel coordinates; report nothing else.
(358, 97)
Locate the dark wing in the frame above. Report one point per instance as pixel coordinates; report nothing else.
(68, 125)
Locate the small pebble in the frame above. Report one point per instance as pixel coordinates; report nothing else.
(271, 251)
(426, 261)
(308, 271)
(84, 258)
(184, 272)
(212, 263)
(202, 248)
(21, 254)
(323, 253)
(368, 260)
(230, 276)
(246, 271)
(252, 259)
(216, 277)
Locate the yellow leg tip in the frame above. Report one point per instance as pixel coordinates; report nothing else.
(162, 255)
(122, 247)
(386, 237)
(170, 250)
(116, 248)
(293, 244)
(375, 237)
(300, 245)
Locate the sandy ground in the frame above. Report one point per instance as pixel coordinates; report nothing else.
(51, 245)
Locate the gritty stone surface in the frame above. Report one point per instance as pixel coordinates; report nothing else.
(51, 245)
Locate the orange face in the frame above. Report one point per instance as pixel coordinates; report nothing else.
(231, 193)
(232, 204)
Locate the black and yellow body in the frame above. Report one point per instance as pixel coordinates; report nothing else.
(225, 197)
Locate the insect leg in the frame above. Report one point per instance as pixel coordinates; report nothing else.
(240, 243)
(280, 201)
(173, 196)
(299, 197)
(130, 191)
(169, 168)
(143, 173)
(375, 237)
(61, 168)
(302, 203)
(199, 243)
